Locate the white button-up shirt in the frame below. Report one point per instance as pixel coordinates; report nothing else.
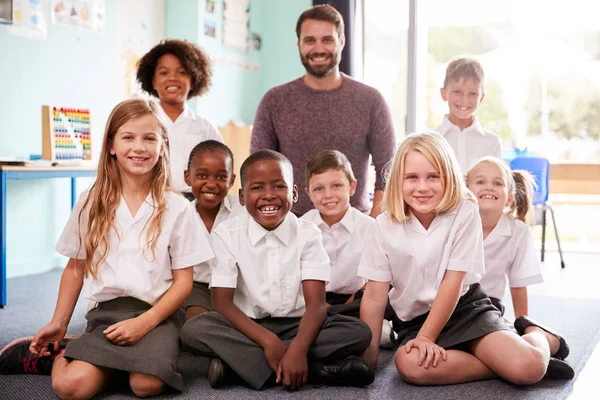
(130, 268)
(229, 208)
(415, 260)
(471, 144)
(267, 268)
(344, 242)
(185, 133)
(509, 258)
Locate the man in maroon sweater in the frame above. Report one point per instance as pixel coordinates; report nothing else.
(326, 110)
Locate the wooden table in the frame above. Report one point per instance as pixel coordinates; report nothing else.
(20, 173)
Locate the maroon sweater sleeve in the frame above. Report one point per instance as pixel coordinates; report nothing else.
(381, 139)
(263, 131)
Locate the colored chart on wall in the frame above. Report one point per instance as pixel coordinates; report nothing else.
(236, 24)
(88, 14)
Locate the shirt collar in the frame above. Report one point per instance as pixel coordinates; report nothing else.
(146, 208)
(502, 228)
(448, 126)
(186, 115)
(283, 232)
(347, 221)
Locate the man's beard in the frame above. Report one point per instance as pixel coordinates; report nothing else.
(322, 70)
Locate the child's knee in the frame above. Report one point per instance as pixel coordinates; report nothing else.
(527, 369)
(143, 385)
(72, 386)
(407, 367)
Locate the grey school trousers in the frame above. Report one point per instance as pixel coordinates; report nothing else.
(210, 334)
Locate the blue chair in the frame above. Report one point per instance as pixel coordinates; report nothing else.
(540, 169)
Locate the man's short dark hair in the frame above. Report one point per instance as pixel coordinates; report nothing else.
(323, 12)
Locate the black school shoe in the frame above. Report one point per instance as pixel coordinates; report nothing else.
(16, 358)
(221, 374)
(558, 369)
(524, 321)
(352, 371)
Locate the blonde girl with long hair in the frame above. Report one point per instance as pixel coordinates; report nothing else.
(428, 244)
(131, 243)
(505, 199)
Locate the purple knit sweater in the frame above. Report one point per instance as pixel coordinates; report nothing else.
(353, 118)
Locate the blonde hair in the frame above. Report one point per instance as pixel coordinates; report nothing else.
(465, 68)
(437, 151)
(105, 194)
(520, 184)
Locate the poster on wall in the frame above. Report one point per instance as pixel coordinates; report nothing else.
(29, 19)
(87, 14)
(236, 24)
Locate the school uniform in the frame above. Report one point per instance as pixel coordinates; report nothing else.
(344, 242)
(130, 280)
(415, 260)
(510, 259)
(470, 144)
(200, 296)
(185, 133)
(266, 269)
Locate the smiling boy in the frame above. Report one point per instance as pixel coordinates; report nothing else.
(464, 91)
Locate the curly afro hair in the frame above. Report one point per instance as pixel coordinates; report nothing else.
(194, 60)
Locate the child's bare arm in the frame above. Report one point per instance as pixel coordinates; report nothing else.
(372, 309)
(443, 305)
(293, 370)
(71, 283)
(520, 302)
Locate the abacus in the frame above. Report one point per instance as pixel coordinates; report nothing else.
(66, 134)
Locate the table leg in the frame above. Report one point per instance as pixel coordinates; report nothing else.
(2, 239)
(73, 192)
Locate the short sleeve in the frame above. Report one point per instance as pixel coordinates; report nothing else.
(374, 263)
(525, 268)
(466, 253)
(72, 241)
(224, 272)
(188, 244)
(314, 261)
(213, 132)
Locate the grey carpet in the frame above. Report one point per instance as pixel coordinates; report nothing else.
(31, 303)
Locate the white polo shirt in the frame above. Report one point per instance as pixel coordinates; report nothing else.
(471, 144)
(509, 258)
(184, 134)
(344, 242)
(130, 269)
(229, 208)
(415, 260)
(267, 268)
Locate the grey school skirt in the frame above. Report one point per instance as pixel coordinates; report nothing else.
(474, 316)
(157, 353)
(200, 297)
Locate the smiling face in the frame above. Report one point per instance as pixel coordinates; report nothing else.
(137, 145)
(330, 193)
(268, 192)
(171, 81)
(210, 176)
(463, 96)
(422, 187)
(489, 185)
(320, 47)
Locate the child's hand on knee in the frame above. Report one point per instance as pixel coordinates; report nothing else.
(429, 352)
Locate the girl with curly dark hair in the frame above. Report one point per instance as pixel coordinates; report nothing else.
(175, 71)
